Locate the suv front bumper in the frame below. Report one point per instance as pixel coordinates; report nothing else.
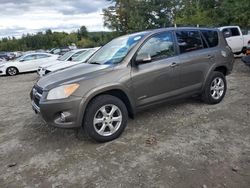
(62, 113)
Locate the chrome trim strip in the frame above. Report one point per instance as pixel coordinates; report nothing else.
(38, 94)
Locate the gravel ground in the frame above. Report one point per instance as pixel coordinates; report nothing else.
(182, 144)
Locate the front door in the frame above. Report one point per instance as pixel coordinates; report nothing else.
(159, 78)
(27, 63)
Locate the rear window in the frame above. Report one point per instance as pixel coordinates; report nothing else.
(211, 37)
(189, 41)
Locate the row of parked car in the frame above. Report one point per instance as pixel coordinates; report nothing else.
(7, 56)
(45, 63)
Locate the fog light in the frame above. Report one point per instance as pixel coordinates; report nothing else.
(63, 117)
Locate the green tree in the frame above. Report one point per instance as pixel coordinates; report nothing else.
(128, 16)
(49, 39)
(196, 12)
(82, 32)
(234, 12)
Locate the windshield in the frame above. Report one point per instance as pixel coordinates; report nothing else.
(116, 50)
(85, 55)
(65, 56)
(20, 58)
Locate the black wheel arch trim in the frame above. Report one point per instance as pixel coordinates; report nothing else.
(104, 90)
(212, 69)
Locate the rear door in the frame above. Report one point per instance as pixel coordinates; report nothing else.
(159, 78)
(195, 59)
(41, 59)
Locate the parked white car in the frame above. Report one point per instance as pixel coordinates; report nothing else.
(235, 39)
(25, 63)
(83, 57)
(69, 56)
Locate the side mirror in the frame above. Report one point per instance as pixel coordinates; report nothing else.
(227, 34)
(22, 60)
(143, 58)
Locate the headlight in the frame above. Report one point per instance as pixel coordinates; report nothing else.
(62, 92)
(1, 66)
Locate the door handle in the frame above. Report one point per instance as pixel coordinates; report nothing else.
(173, 64)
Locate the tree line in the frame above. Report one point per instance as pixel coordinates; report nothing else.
(127, 16)
(135, 15)
(48, 39)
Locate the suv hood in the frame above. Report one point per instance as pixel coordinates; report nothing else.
(71, 74)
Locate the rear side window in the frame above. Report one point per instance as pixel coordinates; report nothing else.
(211, 37)
(235, 32)
(189, 41)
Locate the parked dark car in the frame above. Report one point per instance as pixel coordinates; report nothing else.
(131, 73)
(4, 55)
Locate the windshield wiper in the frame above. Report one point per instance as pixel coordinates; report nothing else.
(95, 63)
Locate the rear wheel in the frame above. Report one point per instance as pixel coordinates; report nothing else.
(11, 71)
(215, 88)
(105, 118)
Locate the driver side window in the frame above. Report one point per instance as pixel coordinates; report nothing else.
(159, 46)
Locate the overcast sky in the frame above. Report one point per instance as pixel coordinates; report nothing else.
(30, 16)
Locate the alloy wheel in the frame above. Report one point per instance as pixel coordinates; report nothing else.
(12, 71)
(217, 88)
(107, 120)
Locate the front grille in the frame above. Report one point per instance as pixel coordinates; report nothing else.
(37, 101)
(37, 94)
(38, 89)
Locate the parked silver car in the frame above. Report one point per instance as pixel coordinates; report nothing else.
(131, 73)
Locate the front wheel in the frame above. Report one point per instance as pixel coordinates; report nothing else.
(105, 118)
(11, 71)
(215, 88)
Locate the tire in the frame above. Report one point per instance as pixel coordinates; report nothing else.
(99, 122)
(215, 88)
(11, 71)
